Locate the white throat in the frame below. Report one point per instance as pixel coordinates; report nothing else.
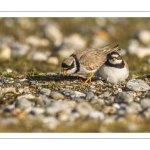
(115, 62)
(73, 70)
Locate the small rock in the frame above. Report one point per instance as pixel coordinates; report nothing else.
(109, 110)
(57, 106)
(39, 56)
(146, 112)
(145, 102)
(121, 112)
(53, 33)
(23, 103)
(116, 105)
(64, 115)
(137, 85)
(133, 108)
(105, 94)
(71, 44)
(5, 53)
(124, 97)
(36, 41)
(97, 115)
(79, 94)
(18, 49)
(37, 111)
(57, 95)
(53, 60)
(89, 95)
(45, 91)
(50, 122)
(144, 36)
(84, 109)
(26, 96)
(9, 89)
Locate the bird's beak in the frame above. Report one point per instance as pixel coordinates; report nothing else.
(64, 71)
(114, 58)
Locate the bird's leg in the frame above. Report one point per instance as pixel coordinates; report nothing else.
(89, 78)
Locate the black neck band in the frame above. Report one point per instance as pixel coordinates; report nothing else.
(77, 63)
(121, 65)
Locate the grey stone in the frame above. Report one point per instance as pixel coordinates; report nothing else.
(57, 95)
(18, 49)
(38, 56)
(52, 32)
(89, 95)
(50, 122)
(79, 94)
(45, 91)
(84, 109)
(146, 112)
(124, 97)
(37, 111)
(121, 112)
(23, 103)
(145, 102)
(44, 100)
(97, 115)
(137, 85)
(71, 44)
(133, 108)
(57, 106)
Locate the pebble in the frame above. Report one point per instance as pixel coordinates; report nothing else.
(97, 115)
(36, 41)
(124, 97)
(137, 85)
(18, 49)
(145, 102)
(23, 103)
(146, 112)
(37, 111)
(53, 60)
(71, 44)
(5, 53)
(57, 106)
(26, 96)
(144, 36)
(89, 95)
(50, 122)
(52, 32)
(38, 56)
(45, 91)
(133, 108)
(84, 109)
(56, 95)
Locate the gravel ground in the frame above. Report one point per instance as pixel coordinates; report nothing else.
(54, 99)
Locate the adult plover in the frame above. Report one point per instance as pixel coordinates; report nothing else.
(115, 69)
(86, 61)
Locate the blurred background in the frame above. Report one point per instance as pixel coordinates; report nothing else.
(42, 43)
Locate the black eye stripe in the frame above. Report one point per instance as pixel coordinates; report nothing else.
(67, 67)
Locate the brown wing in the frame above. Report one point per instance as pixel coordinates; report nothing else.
(94, 58)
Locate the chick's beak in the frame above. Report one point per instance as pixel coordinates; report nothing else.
(114, 58)
(64, 71)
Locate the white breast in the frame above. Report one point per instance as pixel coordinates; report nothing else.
(112, 74)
